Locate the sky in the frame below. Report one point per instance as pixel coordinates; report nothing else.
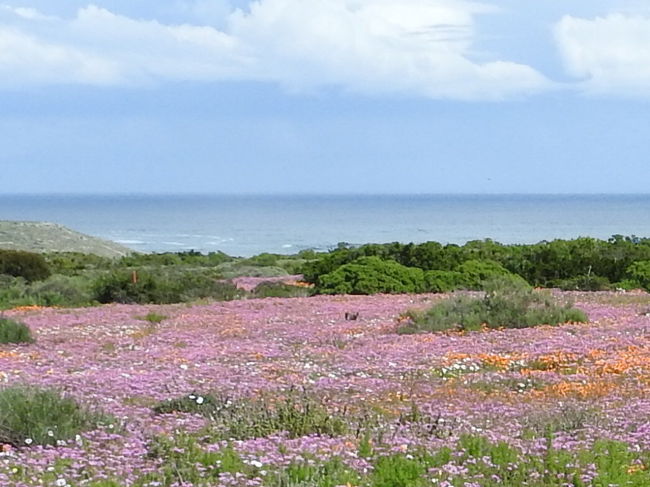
(324, 96)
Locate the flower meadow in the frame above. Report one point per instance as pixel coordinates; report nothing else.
(288, 392)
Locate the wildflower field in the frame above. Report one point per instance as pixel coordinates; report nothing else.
(287, 392)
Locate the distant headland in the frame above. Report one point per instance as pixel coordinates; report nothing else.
(52, 237)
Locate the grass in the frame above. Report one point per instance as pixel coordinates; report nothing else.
(14, 332)
(35, 416)
(297, 413)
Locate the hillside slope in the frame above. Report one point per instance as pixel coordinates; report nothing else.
(51, 237)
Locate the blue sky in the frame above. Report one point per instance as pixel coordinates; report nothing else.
(324, 96)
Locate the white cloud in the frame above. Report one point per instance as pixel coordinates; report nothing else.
(610, 54)
(416, 47)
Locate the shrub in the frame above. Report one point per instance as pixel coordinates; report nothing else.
(153, 318)
(583, 283)
(33, 416)
(262, 260)
(165, 288)
(118, 287)
(74, 263)
(443, 281)
(60, 290)
(12, 291)
(14, 332)
(193, 286)
(508, 302)
(627, 285)
(371, 275)
(640, 272)
(475, 272)
(280, 290)
(28, 265)
(230, 270)
(298, 413)
(188, 258)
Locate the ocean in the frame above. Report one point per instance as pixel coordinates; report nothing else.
(249, 225)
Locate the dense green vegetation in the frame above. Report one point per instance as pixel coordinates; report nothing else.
(75, 279)
(30, 266)
(372, 275)
(508, 302)
(581, 264)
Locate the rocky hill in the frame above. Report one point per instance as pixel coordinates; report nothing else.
(51, 237)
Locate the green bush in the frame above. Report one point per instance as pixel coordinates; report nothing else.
(33, 416)
(371, 275)
(61, 290)
(230, 270)
(583, 283)
(443, 281)
(262, 260)
(627, 285)
(508, 302)
(152, 317)
(118, 287)
(162, 288)
(639, 272)
(203, 404)
(12, 291)
(539, 264)
(189, 258)
(75, 263)
(57, 290)
(27, 265)
(14, 332)
(475, 272)
(280, 290)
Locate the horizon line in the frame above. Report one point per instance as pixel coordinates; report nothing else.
(302, 194)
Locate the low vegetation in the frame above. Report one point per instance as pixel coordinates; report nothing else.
(74, 279)
(473, 460)
(14, 332)
(296, 413)
(31, 416)
(508, 303)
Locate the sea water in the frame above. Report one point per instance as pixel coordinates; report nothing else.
(248, 225)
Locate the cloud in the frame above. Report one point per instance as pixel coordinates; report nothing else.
(413, 47)
(611, 55)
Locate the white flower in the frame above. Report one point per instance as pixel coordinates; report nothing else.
(256, 463)
(184, 366)
(78, 440)
(50, 433)
(60, 483)
(192, 396)
(28, 441)
(199, 400)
